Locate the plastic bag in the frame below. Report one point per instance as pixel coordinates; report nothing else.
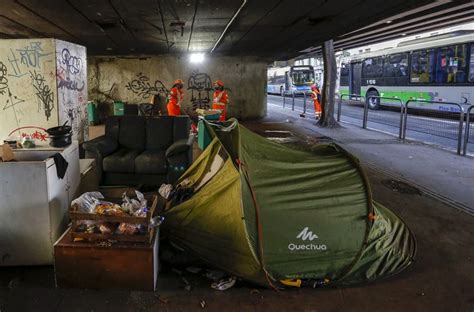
(165, 190)
(87, 201)
(127, 203)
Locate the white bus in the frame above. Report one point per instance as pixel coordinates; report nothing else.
(290, 79)
(439, 68)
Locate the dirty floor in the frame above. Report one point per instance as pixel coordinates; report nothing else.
(442, 278)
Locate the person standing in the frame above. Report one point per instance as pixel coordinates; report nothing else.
(175, 98)
(220, 99)
(316, 96)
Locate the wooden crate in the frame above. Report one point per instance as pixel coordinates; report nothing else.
(77, 216)
(96, 265)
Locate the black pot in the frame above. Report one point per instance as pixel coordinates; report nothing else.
(59, 130)
(60, 140)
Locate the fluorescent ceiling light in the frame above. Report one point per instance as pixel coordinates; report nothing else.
(196, 57)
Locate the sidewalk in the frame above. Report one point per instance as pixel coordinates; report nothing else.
(438, 172)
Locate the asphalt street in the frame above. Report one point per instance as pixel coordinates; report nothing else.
(429, 128)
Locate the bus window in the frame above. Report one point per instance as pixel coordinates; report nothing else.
(372, 67)
(344, 70)
(471, 65)
(451, 64)
(396, 65)
(344, 80)
(302, 77)
(422, 66)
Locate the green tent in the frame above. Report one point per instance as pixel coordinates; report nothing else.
(266, 212)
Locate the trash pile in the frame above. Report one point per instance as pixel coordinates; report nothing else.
(94, 203)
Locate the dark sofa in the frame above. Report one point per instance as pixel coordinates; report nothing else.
(142, 150)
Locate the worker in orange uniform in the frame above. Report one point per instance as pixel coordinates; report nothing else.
(175, 98)
(220, 99)
(316, 96)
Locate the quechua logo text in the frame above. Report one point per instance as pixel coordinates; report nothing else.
(307, 235)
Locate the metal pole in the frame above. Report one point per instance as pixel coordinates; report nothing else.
(461, 121)
(402, 110)
(366, 113)
(339, 106)
(284, 97)
(468, 126)
(404, 132)
(293, 101)
(304, 103)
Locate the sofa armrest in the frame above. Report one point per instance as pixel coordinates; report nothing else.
(180, 146)
(102, 146)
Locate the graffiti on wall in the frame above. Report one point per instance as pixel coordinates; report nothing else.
(28, 57)
(72, 87)
(12, 100)
(201, 86)
(44, 93)
(73, 63)
(34, 132)
(68, 72)
(3, 78)
(142, 86)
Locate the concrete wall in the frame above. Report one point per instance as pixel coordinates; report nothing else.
(42, 85)
(135, 80)
(28, 94)
(71, 76)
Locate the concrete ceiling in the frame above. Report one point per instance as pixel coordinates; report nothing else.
(429, 17)
(271, 29)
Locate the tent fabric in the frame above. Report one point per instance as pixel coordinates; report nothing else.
(272, 212)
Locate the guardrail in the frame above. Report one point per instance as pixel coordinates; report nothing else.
(350, 96)
(435, 112)
(444, 125)
(402, 110)
(293, 94)
(467, 130)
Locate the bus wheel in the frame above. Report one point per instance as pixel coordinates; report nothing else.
(282, 91)
(374, 103)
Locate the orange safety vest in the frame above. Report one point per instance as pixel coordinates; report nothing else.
(176, 96)
(315, 96)
(220, 101)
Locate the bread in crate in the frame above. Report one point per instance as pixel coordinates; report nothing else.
(126, 220)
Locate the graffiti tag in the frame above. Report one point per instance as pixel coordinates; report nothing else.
(73, 63)
(43, 93)
(200, 86)
(32, 54)
(70, 84)
(37, 134)
(143, 87)
(3, 78)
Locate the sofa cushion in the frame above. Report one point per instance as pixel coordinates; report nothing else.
(159, 133)
(132, 132)
(122, 161)
(181, 127)
(112, 127)
(151, 162)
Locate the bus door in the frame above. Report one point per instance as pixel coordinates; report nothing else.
(355, 74)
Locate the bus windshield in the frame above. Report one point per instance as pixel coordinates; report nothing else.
(302, 77)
